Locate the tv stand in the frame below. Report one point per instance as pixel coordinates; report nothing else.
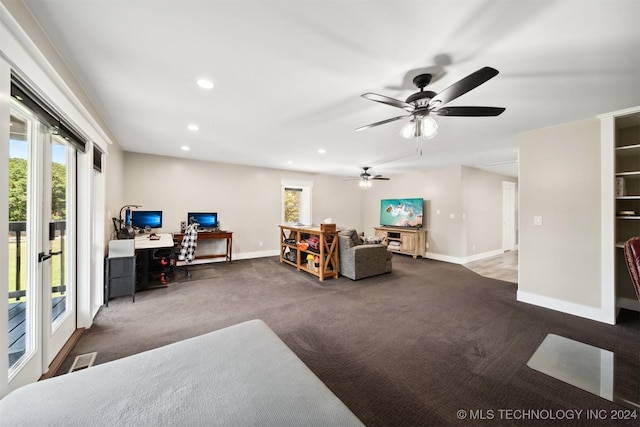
(409, 241)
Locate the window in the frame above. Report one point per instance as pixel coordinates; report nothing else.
(296, 202)
(292, 205)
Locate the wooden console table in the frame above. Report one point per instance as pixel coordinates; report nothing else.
(327, 251)
(211, 235)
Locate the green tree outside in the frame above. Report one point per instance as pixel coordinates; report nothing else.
(18, 212)
(18, 190)
(291, 206)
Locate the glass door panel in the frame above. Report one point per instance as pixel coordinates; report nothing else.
(59, 219)
(21, 301)
(58, 228)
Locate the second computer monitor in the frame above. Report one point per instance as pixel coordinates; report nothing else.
(206, 220)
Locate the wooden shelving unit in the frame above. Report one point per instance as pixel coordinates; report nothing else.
(627, 195)
(327, 251)
(409, 241)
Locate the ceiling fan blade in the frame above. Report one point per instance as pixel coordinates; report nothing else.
(380, 178)
(382, 122)
(463, 86)
(389, 101)
(469, 111)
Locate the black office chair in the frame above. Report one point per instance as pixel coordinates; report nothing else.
(169, 259)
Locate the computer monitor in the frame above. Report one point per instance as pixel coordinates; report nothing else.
(144, 219)
(127, 217)
(204, 219)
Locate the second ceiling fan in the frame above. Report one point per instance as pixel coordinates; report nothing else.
(365, 177)
(425, 102)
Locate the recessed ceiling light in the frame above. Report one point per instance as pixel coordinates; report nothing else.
(290, 162)
(185, 148)
(205, 84)
(322, 151)
(193, 127)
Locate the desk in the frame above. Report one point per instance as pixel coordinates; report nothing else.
(144, 246)
(212, 235)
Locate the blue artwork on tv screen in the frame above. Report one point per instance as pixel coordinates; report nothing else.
(401, 212)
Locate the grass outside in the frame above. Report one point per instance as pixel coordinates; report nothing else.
(56, 277)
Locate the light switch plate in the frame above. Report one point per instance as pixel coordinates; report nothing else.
(537, 220)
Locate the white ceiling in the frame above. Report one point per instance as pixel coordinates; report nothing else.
(289, 74)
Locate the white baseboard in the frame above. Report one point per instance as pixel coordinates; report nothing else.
(579, 310)
(463, 260)
(259, 254)
(235, 256)
(628, 303)
(483, 255)
(445, 258)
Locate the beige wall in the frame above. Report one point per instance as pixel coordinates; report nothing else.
(482, 206)
(247, 199)
(463, 209)
(560, 260)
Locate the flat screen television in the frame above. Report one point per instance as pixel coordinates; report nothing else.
(406, 212)
(204, 219)
(143, 219)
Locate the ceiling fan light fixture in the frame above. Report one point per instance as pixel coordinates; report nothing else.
(428, 127)
(408, 129)
(420, 127)
(365, 183)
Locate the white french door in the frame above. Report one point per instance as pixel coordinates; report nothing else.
(41, 282)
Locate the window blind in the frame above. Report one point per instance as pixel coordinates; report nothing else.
(28, 97)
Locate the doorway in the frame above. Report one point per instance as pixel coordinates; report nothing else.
(508, 216)
(41, 255)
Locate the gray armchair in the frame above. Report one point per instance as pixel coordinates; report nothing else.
(358, 260)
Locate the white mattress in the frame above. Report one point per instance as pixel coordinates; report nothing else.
(243, 375)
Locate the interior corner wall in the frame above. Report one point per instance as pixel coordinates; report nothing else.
(482, 211)
(247, 199)
(559, 182)
(441, 190)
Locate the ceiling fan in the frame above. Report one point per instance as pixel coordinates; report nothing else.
(366, 178)
(425, 102)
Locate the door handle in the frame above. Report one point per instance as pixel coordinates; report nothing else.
(55, 253)
(43, 257)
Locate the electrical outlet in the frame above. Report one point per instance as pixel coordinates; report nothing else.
(260, 244)
(537, 220)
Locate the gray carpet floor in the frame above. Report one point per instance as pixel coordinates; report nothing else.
(409, 348)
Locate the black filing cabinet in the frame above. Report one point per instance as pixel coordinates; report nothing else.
(120, 278)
